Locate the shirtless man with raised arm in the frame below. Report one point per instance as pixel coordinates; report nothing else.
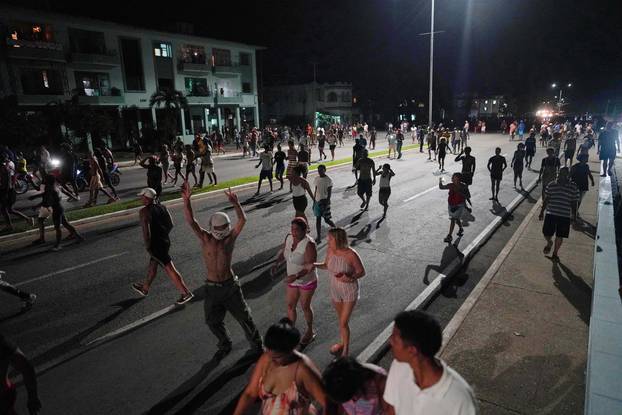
(222, 289)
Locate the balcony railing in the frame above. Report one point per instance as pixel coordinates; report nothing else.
(35, 50)
(103, 59)
(101, 100)
(194, 67)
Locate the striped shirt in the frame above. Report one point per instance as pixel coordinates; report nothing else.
(560, 198)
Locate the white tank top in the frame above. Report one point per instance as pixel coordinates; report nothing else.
(296, 259)
(298, 190)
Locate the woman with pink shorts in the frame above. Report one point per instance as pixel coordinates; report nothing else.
(344, 267)
(299, 252)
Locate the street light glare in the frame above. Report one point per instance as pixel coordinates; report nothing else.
(554, 86)
(569, 85)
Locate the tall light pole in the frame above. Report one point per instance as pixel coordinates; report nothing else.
(559, 97)
(431, 65)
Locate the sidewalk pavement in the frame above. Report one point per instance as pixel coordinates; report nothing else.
(521, 337)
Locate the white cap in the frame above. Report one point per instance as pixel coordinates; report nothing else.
(219, 219)
(148, 192)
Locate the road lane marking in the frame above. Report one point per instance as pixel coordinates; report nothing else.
(62, 271)
(372, 350)
(420, 194)
(134, 325)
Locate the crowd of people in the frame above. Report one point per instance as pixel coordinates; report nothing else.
(285, 380)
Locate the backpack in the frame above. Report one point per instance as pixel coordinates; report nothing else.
(161, 222)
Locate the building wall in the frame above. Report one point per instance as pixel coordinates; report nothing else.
(229, 77)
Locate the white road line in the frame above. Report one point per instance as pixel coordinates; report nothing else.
(62, 271)
(133, 325)
(378, 343)
(420, 194)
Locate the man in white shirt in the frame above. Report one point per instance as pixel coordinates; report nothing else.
(419, 383)
(323, 188)
(265, 161)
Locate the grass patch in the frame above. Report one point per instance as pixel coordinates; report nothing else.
(82, 213)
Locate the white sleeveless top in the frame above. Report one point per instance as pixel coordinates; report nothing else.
(296, 260)
(298, 190)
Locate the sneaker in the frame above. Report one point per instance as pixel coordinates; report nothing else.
(184, 298)
(29, 302)
(461, 232)
(138, 287)
(447, 239)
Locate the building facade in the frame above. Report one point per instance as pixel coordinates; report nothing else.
(47, 58)
(314, 103)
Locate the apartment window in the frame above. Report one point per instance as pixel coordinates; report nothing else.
(132, 65)
(193, 54)
(86, 41)
(245, 59)
(37, 81)
(246, 88)
(196, 87)
(93, 84)
(29, 31)
(222, 57)
(332, 97)
(163, 50)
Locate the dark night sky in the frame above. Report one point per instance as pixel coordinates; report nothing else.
(516, 47)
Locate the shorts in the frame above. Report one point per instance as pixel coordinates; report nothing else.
(530, 152)
(265, 174)
(455, 212)
(391, 147)
(300, 203)
(58, 214)
(304, 169)
(467, 178)
(569, 154)
(344, 292)
(556, 225)
(364, 187)
(518, 169)
(307, 286)
(332, 147)
(190, 168)
(159, 252)
(383, 195)
(279, 170)
(496, 176)
(432, 147)
(323, 209)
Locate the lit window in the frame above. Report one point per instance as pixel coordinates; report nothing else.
(46, 82)
(163, 50)
(485, 108)
(494, 102)
(486, 102)
(156, 52)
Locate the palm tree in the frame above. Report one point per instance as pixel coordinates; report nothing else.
(172, 101)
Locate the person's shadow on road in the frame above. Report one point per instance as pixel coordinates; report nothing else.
(450, 253)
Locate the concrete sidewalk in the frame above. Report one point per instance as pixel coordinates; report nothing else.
(521, 337)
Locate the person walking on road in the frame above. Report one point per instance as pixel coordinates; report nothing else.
(321, 143)
(608, 147)
(561, 198)
(372, 138)
(442, 153)
(530, 148)
(367, 178)
(399, 142)
(300, 186)
(496, 165)
(458, 196)
(279, 164)
(304, 159)
(384, 192)
(548, 169)
(345, 268)
(392, 141)
(12, 356)
(284, 380)
(156, 223)
(207, 167)
(517, 164)
(579, 174)
(265, 161)
(418, 381)
(332, 144)
(95, 183)
(222, 288)
(357, 154)
(164, 162)
(191, 164)
(138, 151)
(51, 206)
(101, 160)
(323, 187)
(570, 147)
(292, 161)
(468, 166)
(8, 194)
(299, 252)
(154, 174)
(28, 299)
(178, 159)
(420, 138)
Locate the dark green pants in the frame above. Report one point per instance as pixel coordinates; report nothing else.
(223, 297)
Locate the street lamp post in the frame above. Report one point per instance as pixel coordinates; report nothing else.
(559, 97)
(431, 65)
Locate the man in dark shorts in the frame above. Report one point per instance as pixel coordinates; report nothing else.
(11, 356)
(303, 160)
(496, 165)
(357, 154)
(608, 147)
(279, 164)
(560, 204)
(570, 147)
(154, 173)
(367, 178)
(431, 144)
(156, 224)
(265, 161)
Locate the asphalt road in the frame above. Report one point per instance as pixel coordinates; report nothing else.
(164, 365)
(228, 166)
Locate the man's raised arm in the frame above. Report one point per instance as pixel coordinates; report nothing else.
(233, 198)
(186, 192)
